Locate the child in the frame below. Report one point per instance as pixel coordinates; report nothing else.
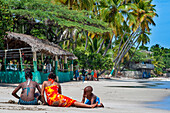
(91, 98)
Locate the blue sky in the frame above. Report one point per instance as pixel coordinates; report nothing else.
(161, 32)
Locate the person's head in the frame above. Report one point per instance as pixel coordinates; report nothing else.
(88, 91)
(52, 76)
(28, 73)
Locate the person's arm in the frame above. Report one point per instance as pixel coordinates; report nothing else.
(38, 87)
(42, 93)
(14, 93)
(83, 99)
(59, 89)
(92, 99)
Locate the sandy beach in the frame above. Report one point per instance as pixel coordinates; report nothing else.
(117, 95)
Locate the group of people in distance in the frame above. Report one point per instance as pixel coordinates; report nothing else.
(88, 74)
(53, 93)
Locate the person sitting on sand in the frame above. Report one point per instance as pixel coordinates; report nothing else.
(91, 98)
(28, 95)
(54, 96)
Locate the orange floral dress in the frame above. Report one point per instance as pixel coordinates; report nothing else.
(53, 96)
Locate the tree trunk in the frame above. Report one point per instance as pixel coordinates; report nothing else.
(130, 58)
(104, 54)
(107, 49)
(124, 53)
(100, 46)
(74, 38)
(121, 42)
(125, 45)
(65, 31)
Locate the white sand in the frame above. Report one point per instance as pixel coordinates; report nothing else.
(115, 99)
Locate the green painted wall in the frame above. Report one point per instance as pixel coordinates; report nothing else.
(65, 66)
(12, 76)
(39, 77)
(71, 75)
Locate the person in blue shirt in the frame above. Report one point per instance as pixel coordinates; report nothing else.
(90, 97)
(83, 74)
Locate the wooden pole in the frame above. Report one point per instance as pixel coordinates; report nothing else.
(35, 61)
(56, 67)
(21, 59)
(6, 77)
(37, 76)
(42, 61)
(65, 62)
(71, 70)
(5, 59)
(71, 67)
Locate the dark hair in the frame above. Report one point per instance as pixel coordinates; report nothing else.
(28, 73)
(52, 75)
(88, 88)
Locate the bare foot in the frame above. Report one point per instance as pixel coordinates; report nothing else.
(101, 105)
(56, 103)
(94, 105)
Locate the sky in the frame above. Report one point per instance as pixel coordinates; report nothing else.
(161, 32)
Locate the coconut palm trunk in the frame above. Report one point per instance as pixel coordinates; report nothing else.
(133, 34)
(124, 52)
(100, 46)
(104, 54)
(130, 57)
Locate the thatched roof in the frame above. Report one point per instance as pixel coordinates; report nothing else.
(39, 45)
(72, 58)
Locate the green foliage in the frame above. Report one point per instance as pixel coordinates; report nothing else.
(38, 17)
(37, 33)
(141, 56)
(158, 65)
(41, 10)
(161, 58)
(143, 48)
(5, 21)
(92, 60)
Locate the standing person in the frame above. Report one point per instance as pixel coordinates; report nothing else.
(28, 95)
(95, 75)
(89, 74)
(90, 97)
(77, 72)
(92, 74)
(48, 67)
(0, 66)
(54, 96)
(98, 73)
(83, 74)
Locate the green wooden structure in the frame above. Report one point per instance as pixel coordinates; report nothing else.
(25, 51)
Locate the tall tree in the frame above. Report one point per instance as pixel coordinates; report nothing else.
(5, 21)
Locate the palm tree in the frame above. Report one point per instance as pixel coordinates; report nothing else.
(111, 11)
(144, 15)
(144, 38)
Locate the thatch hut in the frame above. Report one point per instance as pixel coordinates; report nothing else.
(25, 51)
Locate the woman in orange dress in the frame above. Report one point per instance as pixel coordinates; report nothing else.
(54, 96)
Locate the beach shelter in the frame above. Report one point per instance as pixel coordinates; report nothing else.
(24, 51)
